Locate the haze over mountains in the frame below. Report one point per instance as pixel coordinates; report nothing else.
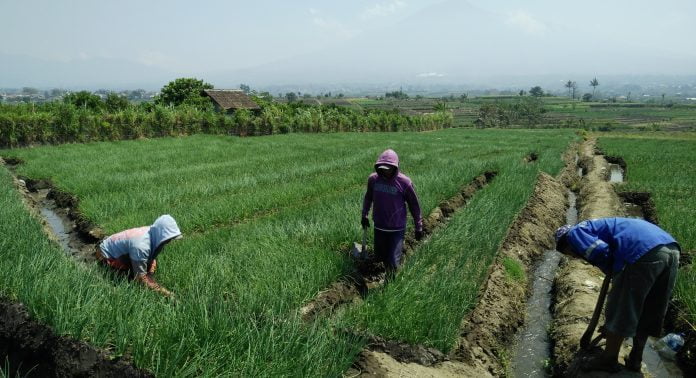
(448, 42)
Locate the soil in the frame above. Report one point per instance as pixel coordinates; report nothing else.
(485, 335)
(33, 350)
(370, 273)
(577, 283)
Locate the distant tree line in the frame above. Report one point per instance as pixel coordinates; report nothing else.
(84, 117)
(524, 111)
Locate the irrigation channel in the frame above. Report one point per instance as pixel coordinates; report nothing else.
(532, 351)
(532, 354)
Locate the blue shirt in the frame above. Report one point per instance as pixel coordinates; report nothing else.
(623, 240)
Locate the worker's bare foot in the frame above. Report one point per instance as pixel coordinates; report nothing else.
(600, 364)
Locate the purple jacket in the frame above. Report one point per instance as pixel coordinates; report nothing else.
(390, 197)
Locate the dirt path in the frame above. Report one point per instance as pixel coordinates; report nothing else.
(577, 283)
(487, 332)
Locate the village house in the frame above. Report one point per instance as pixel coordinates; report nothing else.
(230, 100)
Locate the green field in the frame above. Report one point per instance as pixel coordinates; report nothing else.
(664, 166)
(559, 112)
(263, 219)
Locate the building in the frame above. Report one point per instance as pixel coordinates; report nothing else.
(229, 100)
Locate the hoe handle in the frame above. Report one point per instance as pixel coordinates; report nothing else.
(363, 252)
(586, 340)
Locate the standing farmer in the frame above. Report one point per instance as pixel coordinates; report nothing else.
(135, 250)
(643, 260)
(390, 191)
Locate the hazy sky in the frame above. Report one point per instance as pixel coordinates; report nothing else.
(218, 37)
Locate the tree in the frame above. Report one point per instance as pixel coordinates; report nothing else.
(587, 97)
(569, 85)
(30, 91)
(594, 83)
(291, 96)
(245, 88)
(521, 92)
(536, 91)
(115, 102)
(85, 100)
(188, 91)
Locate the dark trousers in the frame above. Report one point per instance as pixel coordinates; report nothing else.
(388, 247)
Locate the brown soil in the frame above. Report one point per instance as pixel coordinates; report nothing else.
(577, 283)
(33, 350)
(488, 331)
(370, 273)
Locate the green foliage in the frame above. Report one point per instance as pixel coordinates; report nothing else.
(60, 123)
(85, 100)
(536, 91)
(115, 102)
(263, 219)
(526, 111)
(514, 270)
(185, 91)
(587, 97)
(439, 284)
(671, 179)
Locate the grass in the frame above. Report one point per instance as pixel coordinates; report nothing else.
(663, 166)
(438, 286)
(263, 219)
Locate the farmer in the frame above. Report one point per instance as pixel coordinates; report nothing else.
(643, 260)
(135, 250)
(390, 191)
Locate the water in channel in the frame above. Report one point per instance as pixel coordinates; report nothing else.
(532, 351)
(616, 173)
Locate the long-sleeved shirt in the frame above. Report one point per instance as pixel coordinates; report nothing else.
(389, 197)
(618, 240)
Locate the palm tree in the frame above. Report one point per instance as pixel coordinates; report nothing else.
(569, 85)
(594, 83)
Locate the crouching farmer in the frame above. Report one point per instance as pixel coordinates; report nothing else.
(643, 260)
(388, 193)
(135, 250)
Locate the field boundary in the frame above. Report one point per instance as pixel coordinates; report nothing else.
(369, 274)
(486, 333)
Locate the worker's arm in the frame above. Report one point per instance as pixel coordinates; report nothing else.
(590, 247)
(139, 260)
(150, 283)
(367, 200)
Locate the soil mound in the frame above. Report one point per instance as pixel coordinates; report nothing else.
(33, 350)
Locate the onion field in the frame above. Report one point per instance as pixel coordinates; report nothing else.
(267, 222)
(664, 166)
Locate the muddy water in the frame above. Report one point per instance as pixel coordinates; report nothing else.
(532, 351)
(616, 173)
(61, 227)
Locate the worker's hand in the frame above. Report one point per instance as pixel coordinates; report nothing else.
(419, 235)
(365, 223)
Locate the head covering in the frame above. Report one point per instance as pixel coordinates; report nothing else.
(561, 232)
(164, 228)
(388, 157)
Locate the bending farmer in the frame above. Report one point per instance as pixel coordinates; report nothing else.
(135, 250)
(643, 260)
(390, 191)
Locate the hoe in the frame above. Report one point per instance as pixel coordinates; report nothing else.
(359, 251)
(586, 342)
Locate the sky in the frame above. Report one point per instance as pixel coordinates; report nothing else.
(127, 42)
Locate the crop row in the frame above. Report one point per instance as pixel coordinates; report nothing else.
(664, 167)
(54, 123)
(283, 206)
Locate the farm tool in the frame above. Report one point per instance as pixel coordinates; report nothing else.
(586, 342)
(360, 250)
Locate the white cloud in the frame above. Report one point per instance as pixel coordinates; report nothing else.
(525, 22)
(430, 74)
(382, 9)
